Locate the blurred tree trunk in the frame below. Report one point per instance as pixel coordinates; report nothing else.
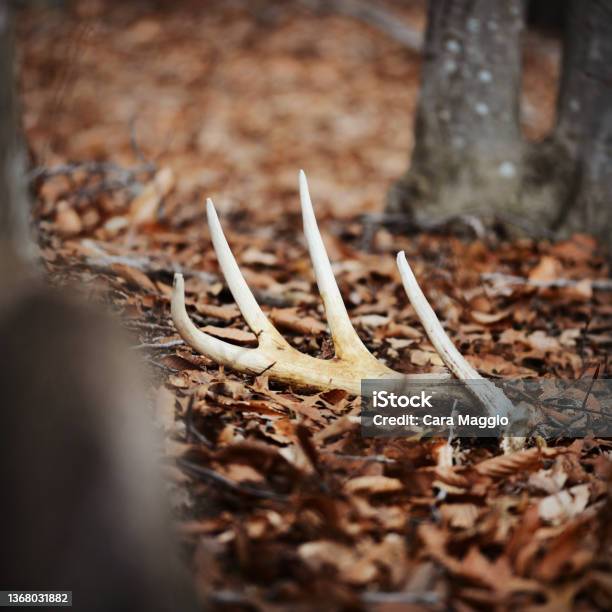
(14, 210)
(469, 154)
(584, 123)
(86, 504)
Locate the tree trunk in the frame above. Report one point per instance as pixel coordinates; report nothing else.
(83, 504)
(584, 125)
(468, 148)
(469, 154)
(14, 210)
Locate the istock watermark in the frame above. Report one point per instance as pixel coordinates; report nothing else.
(549, 408)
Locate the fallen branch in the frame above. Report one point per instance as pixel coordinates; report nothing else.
(158, 345)
(209, 475)
(401, 597)
(104, 260)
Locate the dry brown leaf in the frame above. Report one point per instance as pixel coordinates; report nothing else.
(494, 365)
(460, 516)
(373, 485)
(540, 341)
(398, 330)
(371, 320)
(290, 319)
(547, 269)
(550, 481)
(254, 256)
(134, 277)
(67, 220)
(564, 505)
(350, 565)
(504, 465)
(143, 208)
(337, 427)
(487, 318)
(227, 312)
(239, 336)
(579, 248)
(424, 358)
(582, 291)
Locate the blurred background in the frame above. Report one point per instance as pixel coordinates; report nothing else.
(235, 96)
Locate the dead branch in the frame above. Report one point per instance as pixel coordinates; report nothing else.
(158, 345)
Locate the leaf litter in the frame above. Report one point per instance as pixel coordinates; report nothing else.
(280, 502)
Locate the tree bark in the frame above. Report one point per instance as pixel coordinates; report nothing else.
(469, 154)
(468, 147)
(584, 125)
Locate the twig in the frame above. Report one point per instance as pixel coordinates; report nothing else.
(375, 16)
(401, 597)
(158, 345)
(364, 458)
(599, 284)
(104, 260)
(146, 325)
(237, 487)
(162, 366)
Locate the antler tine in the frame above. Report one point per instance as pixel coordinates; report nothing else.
(493, 398)
(251, 360)
(347, 343)
(252, 313)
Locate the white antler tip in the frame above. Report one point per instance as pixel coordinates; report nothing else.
(303, 183)
(210, 208)
(178, 282)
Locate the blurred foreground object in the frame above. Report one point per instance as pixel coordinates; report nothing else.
(470, 155)
(83, 507)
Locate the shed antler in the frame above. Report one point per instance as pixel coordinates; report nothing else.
(353, 362)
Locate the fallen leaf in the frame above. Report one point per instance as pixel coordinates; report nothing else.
(349, 564)
(504, 465)
(566, 504)
(227, 312)
(487, 318)
(547, 269)
(581, 291)
(460, 516)
(290, 319)
(143, 208)
(540, 341)
(254, 256)
(67, 220)
(373, 485)
(231, 333)
(424, 358)
(494, 365)
(134, 277)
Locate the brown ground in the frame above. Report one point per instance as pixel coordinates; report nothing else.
(282, 503)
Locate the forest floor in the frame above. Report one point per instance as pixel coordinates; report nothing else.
(133, 117)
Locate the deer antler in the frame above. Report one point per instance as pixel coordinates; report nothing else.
(353, 362)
